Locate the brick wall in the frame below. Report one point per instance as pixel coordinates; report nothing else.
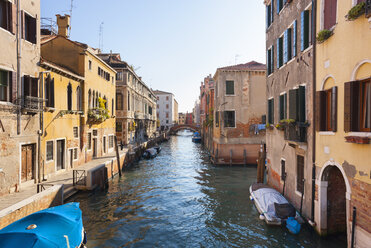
(361, 199)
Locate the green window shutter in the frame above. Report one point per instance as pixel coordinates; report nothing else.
(285, 55)
(294, 30)
(304, 30)
(293, 104)
(229, 87)
(288, 44)
(301, 107)
(278, 53)
(270, 111)
(272, 59)
(282, 107)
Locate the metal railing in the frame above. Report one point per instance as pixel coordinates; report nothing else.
(31, 103)
(296, 132)
(42, 186)
(79, 177)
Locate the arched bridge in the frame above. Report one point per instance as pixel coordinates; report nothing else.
(192, 127)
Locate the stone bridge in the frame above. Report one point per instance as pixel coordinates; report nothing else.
(176, 128)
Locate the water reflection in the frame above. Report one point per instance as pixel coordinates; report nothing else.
(179, 200)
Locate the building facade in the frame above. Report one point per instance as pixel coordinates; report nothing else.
(136, 103)
(238, 110)
(196, 112)
(167, 109)
(20, 102)
(289, 120)
(182, 118)
(189, 118)
(97, 123)
(343, 120)
(207, 94)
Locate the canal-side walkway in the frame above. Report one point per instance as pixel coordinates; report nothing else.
(64, 178)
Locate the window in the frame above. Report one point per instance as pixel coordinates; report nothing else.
(150, 110)
(167, 121)
(326, 110)
(229, 87)
(78, 98)
(297, 104)
(167, 106)
(119, 100)
(49, 150)
(6, 86)
(75, 132)
(270, 59)
(217, 119)
(283, 106)
(49, 92)
(287, 46)
(104, 144)
(294, 37)
(357, 106)
(279, 52)
(6, 15)
(110, 145)
(167, 98)
(270, 111)
(280, 5)
(229, 119)
(167, 114)
(329, 13)
(95, 132)
(283, 170)
(29, 28)
(89, 64)
(305, 32)
(269, 14)
(300, 174)
(128, 101)
(74, 153)
(119, 76)
(69, 97)
(30, 86)
(89, 141)
(118, 127)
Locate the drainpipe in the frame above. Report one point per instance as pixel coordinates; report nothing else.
(19, 74)
(314, 17)
(41, 131)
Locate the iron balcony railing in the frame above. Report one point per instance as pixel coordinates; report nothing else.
(296, 132)
(31, 104)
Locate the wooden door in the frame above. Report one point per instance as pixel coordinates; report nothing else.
(60, 154)
(28, 162)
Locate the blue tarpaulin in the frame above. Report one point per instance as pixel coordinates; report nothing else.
(52, 227)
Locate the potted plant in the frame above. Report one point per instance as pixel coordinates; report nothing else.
(280, 126)
(356, 11)
(323, 35)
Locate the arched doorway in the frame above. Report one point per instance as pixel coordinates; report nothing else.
(336, 200)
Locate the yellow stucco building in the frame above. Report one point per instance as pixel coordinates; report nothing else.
(343, 119)
(81, 125)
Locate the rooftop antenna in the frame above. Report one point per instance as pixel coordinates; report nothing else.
(70, 18)
(101, 37)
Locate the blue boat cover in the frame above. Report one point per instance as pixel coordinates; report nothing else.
(54, 228)
(292, 225)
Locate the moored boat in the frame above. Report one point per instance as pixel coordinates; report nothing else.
(274, 208)
(196, 138)
(59, 226)
(150, 153)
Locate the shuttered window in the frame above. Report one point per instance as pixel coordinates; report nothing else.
(229, 119)
(75, 132)
(30, 86)
(7, 15)
(269, 15)
(270, 111)
(110, 141)
(287, 45)
(305, 32)
(279, 5)
(357, 106)
(297, 104)
(49, 150)
(270, 61)
(279, 52)
(300, 173)
(283, 106)
(330, 13)
(229, 87)
(326, 110)
(6, 86)
(294, 38)
(29, 28)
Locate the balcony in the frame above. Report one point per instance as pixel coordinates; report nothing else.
(296, 132)
(31, 104)
(97, 115)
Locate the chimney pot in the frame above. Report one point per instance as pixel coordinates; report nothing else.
(63, 23)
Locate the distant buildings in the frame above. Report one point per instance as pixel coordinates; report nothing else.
(135, 103)
(189, 118)
(167, 109)
(182, 118)
(196, 112)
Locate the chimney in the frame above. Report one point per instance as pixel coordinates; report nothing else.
(63, 23)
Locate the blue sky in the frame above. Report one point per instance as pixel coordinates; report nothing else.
(176, 43)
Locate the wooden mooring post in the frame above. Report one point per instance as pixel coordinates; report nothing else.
(117, 156)
(261, 164)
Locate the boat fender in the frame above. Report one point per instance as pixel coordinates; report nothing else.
(261, 217)
(251, 198)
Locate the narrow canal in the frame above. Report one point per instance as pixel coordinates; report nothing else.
(179, 199)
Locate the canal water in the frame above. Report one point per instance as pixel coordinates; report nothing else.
(179, 199)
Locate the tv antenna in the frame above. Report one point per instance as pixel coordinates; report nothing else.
(101, 36)
(70, 18)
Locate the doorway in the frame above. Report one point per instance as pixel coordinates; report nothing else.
(95, 148)
(60, 154)
(336, 201)
(28, 162)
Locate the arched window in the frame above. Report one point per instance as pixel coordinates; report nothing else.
(93, 100)
(89, 99)
(49, 92)
(78, 98)
(105, 102)
(69, 96)
(96, 100)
